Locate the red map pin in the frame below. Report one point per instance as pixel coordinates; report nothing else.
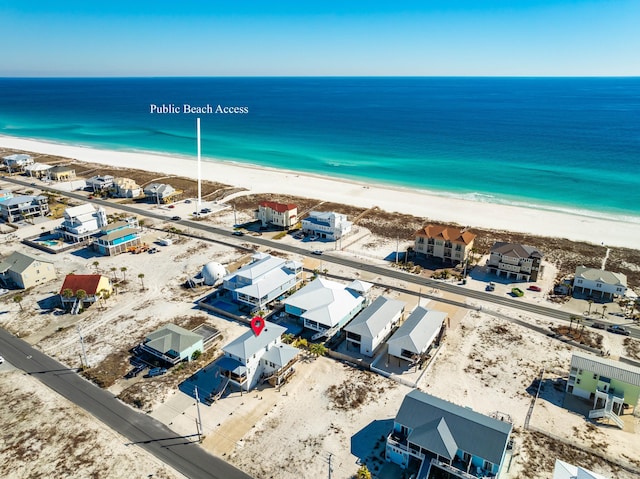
(257, 324)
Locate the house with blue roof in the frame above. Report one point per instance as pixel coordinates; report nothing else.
(441, 439)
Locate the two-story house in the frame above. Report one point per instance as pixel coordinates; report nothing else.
(329, 226)
(19, 208)
(435, 435)
(448, 243)
(372, 326)
(594, 281)
(516, 261)
(23, 271)
(100, 182)
(17, 162)
(253, 359)
(126, 188)
(263, 280)
(117, 237)
(282, 215)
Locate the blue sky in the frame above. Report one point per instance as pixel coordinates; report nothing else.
(265, 38)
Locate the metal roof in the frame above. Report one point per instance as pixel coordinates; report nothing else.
(564, 470)
(370, 322)
(281, 354)
(419, 330)
(470, 431)
(249, 344)
(606, 367)
(172, 338)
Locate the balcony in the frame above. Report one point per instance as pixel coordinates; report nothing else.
(455, 471)
(398, 440)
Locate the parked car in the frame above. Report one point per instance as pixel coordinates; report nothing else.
(491, 286)
(135, 371)
(238, 233)
(175, 218)
(517, 292)
(156, 372)
(187, 201)
(598, 326)
(533, 287)
(618, 330)
(317, 252)
(172, 206)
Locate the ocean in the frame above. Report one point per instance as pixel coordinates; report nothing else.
(568, 144)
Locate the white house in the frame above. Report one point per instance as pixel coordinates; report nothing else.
(250, 360)
(284, 215)
(323, 304)
(416, 335)
(17, 162)
(263, 280)
(23, 207)
(37, 170)
(100, 182)
(82, 222)
(160, 192)
(564, 470)
(330, 226)
(599, 281)
(371, 327)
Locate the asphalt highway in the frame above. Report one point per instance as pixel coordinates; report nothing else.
(182, 453)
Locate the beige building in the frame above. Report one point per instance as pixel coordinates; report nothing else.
(22, 271)
(126, 188)
(284, 215)
(449, 243)
(61, 173)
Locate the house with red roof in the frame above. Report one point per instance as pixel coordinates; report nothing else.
(92, 287)
(449, 243)
(283, 215)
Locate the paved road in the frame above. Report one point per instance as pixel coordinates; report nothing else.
(335, 259)
(181, 453)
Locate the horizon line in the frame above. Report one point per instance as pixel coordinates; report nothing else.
(78, 77)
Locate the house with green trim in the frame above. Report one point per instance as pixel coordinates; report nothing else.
(172, 344)
(613, 386)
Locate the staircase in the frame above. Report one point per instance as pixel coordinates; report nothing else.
(327, 332)
(76, 307)
(217, 392)
(608, 413)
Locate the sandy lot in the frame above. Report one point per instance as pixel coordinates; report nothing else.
(44, 435)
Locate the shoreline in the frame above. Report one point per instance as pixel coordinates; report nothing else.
(436, 207)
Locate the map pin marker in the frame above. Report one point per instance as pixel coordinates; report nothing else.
(257, 325)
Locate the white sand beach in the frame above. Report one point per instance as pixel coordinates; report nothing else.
(439, 208)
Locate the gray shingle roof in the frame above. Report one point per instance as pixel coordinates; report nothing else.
(172, 338)
(606, 367)
(370, 322)
(470, 431)
(516, 250)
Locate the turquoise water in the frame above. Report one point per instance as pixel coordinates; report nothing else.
(569, 144)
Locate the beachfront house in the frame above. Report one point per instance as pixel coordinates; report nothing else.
(100, 182)
(21, 271)
(82, 222)
(324, 305)
(447, 243)
(117, 237)
(372, 326)
(415, 337)
(260, 282)
(282, 215)
(17, 162)
(79, 291)
(24, 207)
(253, 359)
(126, 188)
(172, 344)
(564, 470)
(329, 226)
(515, 261)
(599, 282)
(613, 386)
(61, 173)
(37, 170)
(161, 193)
(442, 439)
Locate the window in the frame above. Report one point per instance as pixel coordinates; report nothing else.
(595, 376)
(578, 381)
(579, 371)
(598, 285)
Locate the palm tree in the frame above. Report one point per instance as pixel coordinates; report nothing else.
(113, 270)
(318, 349)
(67, 293)
(571, 319)
(95, 265)
(18, 299)
(363, 473)
(604, 308)
(124, 271)
(81, 294)
(590, 303)
(141, 276)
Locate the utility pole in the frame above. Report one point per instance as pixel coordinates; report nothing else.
(397, 247)
(199, 420)
(199, 167)
(330, 468)
(84, 352)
